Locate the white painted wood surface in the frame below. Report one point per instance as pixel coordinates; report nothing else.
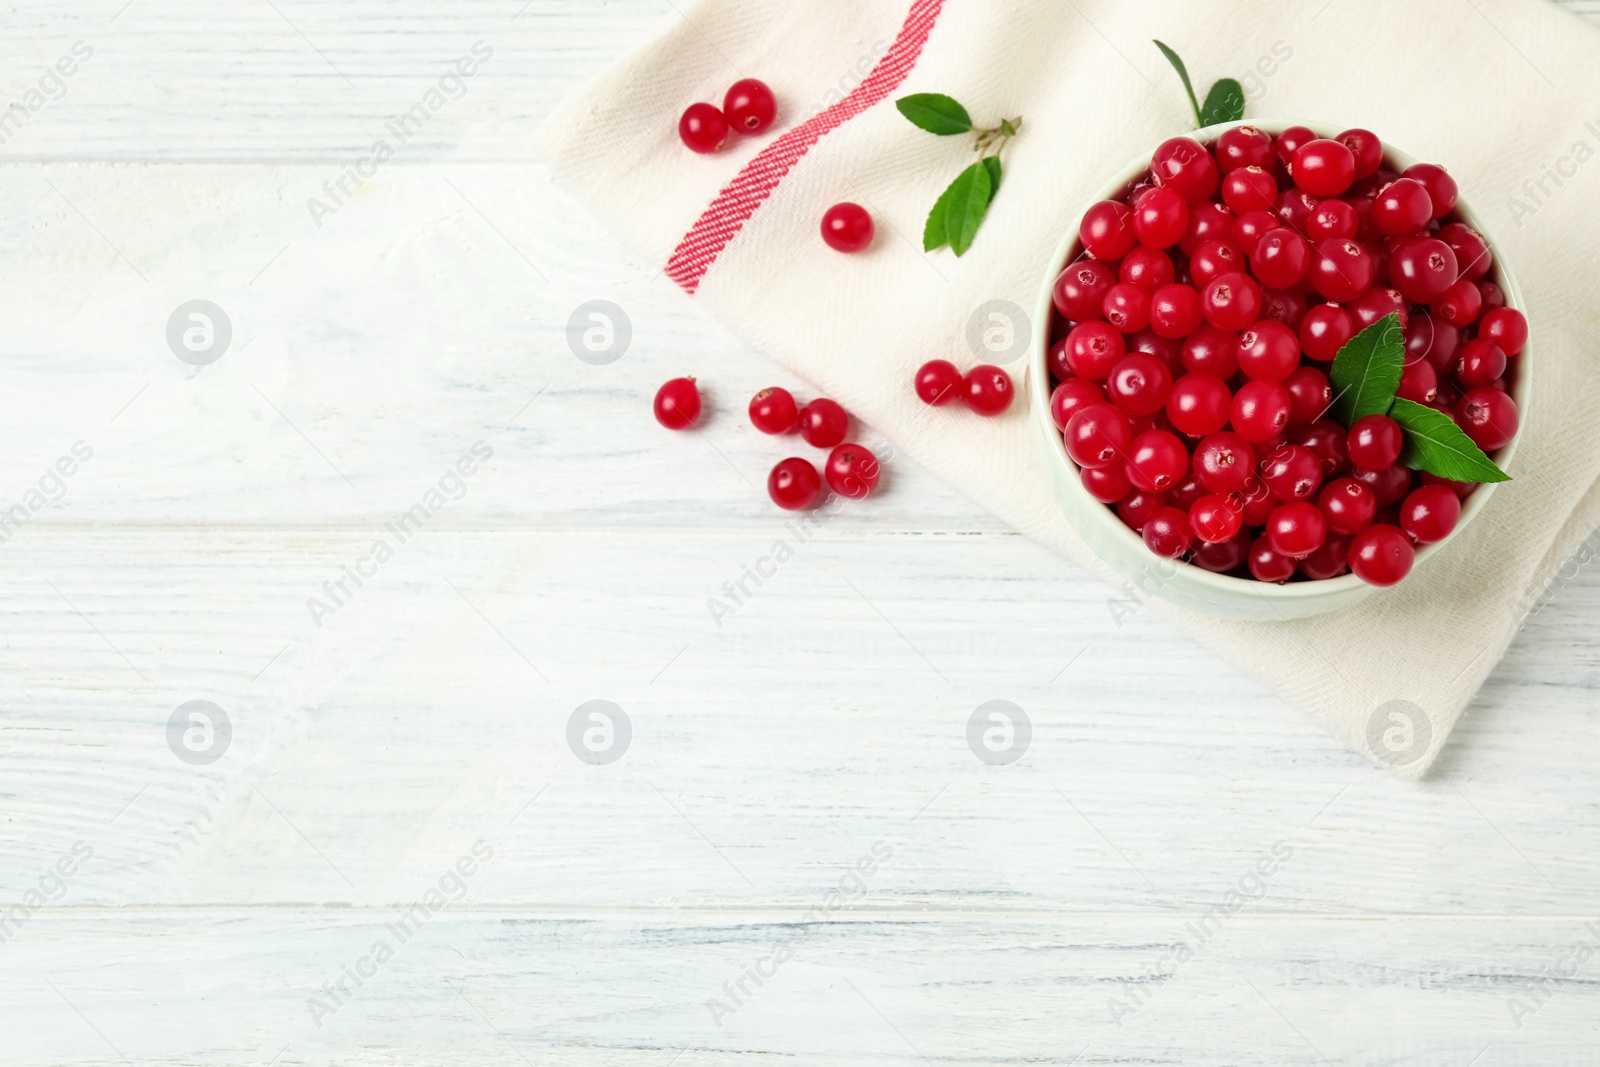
(1025, 910)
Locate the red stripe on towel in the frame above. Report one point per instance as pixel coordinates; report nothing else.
(734, 206)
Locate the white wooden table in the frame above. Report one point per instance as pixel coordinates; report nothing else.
(797, 857)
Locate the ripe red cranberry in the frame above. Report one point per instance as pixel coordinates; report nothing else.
(847, 228)
(1441, 187)
(1260, 411)
(1280, 258)
(1287, 306)
(823, 423)
(1249, 228)
(1223, 557)
(1093, 348)
(1212, 258)
(1460, 489)
(1325, 438)
(1231, 301)
(1422, 268)
(1161, 217)
(1390, 484)
(794, 484)
(677, 404)
(1175, 310)
(1459, 305)
(1329, 561)
(1341, 270)
(1136, 508)
(1332, 218)
(1289, 142)
(1208, 221)
(1080, 290)
(1148, 268)
(852, 471)
(1479, 363)
(1258, 502)
(1325, 329)
(1294, 209)
(1268, 351)
(1156, 461)
(1365, 149)
(1431, 338)
(703, 128)
(1243, 146)
(1472, 251)
(1296, 530)
(1216, 518)
(1209, 350)
(1310, 394)
(938, 382)
(1106, 484)
(1249, 189)
(1267, 565)
(774, 411)
(1224, 462)
(1167, 532)
(1507, 328)
(1167, 349)
(1493, 296)
(1376, 303)
(1127, 307)
(1323, 167)
(1381, 555)
(1374, 442)
(1055, 359)
(1183, 165)
(1430, 514)
(1199, 404)
(1419, 383)
(1071, 396)
(750, 106)
(1402, 208)
(1348, 505)
(1291, 472)
(1139, 384)
(1107, 230)
(988, 390)
(1488, 416)
(1098, 435)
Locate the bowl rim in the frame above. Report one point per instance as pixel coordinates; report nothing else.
(1224, 584)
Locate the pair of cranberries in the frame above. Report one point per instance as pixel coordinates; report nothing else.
(748, 108)
(984, 389)
(794, 484)
(1192, 339)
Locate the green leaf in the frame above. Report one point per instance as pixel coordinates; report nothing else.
(1183, 72)
(1434, 443)
(992, 164)
(1366, 372)
(1224, 103)
(933, 231)
(935, 113)
(969, 201)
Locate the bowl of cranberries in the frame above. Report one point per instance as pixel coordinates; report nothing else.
(1226, 330)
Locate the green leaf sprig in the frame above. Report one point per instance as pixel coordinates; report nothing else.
(1224, 101)
(962, 207)
(1365, 375)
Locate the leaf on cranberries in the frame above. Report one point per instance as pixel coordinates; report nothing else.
(1435, 444)
(1366, 372)
(1183, 73)
(1224, 103)
(968, 203)
(936, 113)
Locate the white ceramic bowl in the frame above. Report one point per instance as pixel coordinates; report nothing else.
(1184, 583)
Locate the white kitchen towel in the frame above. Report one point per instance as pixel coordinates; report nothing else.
(1505, 93)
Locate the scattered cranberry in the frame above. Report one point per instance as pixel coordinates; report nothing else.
(678, 404)
(847, 228)
(1381, 555)
(823, 423)
(794, 484)
(852, 471)
(703, 128)
(774, 411)
(750, 106)
(1507, 328)
(938, 382)
(988, 390)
